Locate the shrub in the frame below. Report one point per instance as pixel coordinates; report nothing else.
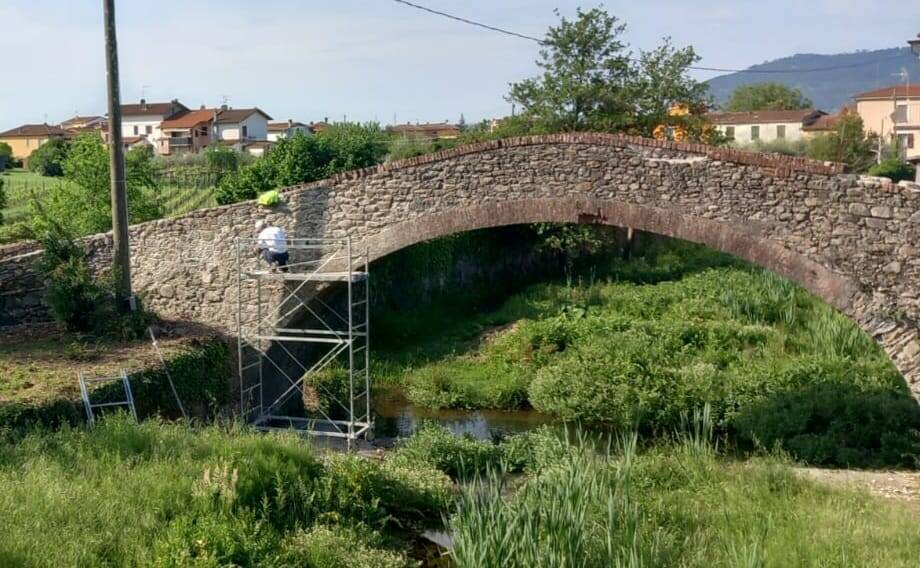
(78, 299)
(83, 205)
(6, 156)
(324, 546)
(2, 198)
(826, 413)
(895, 169)
(303, 158)
(48, 159)
(438, 447)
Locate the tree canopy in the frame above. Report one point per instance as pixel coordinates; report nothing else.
(767, 96)
(847, 144)
(82, 204)
(302, 158)
(48, 159)
(591, 81)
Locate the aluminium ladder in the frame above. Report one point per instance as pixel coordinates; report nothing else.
(90, 406)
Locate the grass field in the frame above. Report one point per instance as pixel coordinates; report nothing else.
(20, 185)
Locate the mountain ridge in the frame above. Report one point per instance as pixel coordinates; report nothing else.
(836, 77)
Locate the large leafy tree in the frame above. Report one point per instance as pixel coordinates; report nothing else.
(767, 96)
(586, 70)
(590, 81)
(659, 83)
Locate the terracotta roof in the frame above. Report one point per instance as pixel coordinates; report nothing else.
(82, 119)
(763, 116)
(828, 122)
(152, 109)
(234, 115)
(132, 140)
(188, 119)
(33, 130)
(890, 92)
(427, 127)
(282, 126)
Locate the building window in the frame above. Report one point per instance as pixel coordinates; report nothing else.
(245, 133)
(900, 114)
(755, 133)
(906, 141)
(730, 132)
(780, 130)
(136, 131)
(148, 129)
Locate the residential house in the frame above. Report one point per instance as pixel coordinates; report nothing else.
(764, 125)
(894, 114)
(25, 139)
(187, 132)
(427, 131)
(235, 125)
(826, 124)
(84, 123)
(144, 119)
(318, 127)
(278, 130)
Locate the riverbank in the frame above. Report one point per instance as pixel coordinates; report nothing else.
(640, 344)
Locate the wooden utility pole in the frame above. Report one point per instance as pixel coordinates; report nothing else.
(121, 254)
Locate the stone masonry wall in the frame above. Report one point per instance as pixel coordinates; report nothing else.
(853, 241)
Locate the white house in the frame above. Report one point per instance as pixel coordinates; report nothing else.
(240, 124)
(278, 130)
(764, 125)
(143, 119)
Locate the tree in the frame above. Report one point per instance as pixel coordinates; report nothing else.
(847, 144)
(660, 84)
(82, 205)
(767, 96)
(586, 70)
(6, 156)
(301, 158)
(48, 159)
(590, 82)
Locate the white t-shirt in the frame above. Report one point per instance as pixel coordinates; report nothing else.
(274, 239)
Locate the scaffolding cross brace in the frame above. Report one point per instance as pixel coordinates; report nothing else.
(288, 335)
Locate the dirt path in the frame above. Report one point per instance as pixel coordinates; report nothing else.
(903, 486)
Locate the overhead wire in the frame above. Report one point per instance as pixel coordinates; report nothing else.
(694, 67)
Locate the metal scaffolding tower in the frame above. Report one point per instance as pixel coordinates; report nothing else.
(296, 338)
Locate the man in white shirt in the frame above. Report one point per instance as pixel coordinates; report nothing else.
(272, 244)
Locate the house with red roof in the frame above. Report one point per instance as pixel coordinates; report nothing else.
(894, 114)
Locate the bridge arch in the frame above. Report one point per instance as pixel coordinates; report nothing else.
(853, 241)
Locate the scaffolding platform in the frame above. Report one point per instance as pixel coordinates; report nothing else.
(321, 277)
(291, 339)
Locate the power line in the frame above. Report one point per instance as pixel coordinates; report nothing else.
(695, 68)
(470, 22)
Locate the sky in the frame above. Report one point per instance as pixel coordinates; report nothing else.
(376, 59)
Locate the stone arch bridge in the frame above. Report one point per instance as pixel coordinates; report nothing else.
(853, 241)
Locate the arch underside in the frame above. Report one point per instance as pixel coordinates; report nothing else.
(739, 239)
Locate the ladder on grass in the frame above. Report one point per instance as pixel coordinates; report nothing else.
(91, 407)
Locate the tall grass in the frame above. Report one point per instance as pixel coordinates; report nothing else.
(164, 495)
(677, 504)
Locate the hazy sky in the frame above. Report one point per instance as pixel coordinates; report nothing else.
(371, 59)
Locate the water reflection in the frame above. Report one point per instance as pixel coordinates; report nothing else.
(397, 417)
